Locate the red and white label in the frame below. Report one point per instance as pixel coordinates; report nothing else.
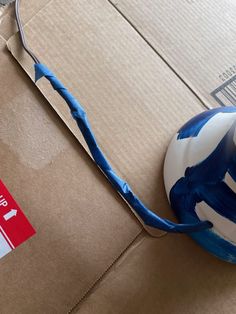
(14, 226)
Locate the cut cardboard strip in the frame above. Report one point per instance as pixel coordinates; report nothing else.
(134, 101)
(196, 38)
(82, 224)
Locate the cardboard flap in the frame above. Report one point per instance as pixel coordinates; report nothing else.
(195, 38)
(134, 101)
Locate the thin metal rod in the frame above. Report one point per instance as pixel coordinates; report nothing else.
(21, 32)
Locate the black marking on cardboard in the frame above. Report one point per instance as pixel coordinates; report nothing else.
(228, 73)
(225, 94)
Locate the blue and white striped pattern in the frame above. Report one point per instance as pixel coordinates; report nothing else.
(200, 178)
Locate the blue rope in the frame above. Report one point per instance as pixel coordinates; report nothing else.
(78, 113)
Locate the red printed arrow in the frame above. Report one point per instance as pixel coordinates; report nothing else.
(14, 226)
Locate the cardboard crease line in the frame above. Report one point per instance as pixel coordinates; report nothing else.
(182, 79)
(86, 294)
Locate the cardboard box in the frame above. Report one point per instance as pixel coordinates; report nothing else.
(136, 82)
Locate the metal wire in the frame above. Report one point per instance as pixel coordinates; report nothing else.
(21, 32)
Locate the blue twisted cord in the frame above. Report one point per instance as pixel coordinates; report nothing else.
(149, 218)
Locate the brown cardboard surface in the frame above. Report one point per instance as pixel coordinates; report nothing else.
(195, 38)
(171, 275)
(134, 101)
(7, 19)
(82, 225)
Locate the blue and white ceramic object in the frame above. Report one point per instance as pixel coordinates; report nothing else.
(200, 178)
